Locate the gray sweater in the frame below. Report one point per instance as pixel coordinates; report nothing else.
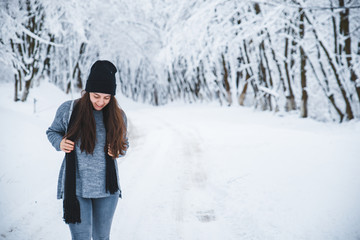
(90, 168)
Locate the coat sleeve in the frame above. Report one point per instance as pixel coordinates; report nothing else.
(126, 135)
(57, 130)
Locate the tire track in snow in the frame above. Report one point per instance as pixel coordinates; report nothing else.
(198, 204)
(167, 195)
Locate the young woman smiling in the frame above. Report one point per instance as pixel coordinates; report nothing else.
(92, 131)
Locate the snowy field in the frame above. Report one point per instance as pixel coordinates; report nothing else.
(193, 172)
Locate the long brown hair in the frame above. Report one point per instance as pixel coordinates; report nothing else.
(84, 127)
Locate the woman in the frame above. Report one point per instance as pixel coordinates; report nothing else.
(92, 131)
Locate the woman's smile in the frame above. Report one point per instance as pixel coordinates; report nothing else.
(99, 100)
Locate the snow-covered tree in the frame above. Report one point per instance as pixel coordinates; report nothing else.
(274, 55)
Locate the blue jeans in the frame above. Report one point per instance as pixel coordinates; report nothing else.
(96, 218)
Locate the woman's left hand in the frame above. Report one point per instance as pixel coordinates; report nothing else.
(111, 154)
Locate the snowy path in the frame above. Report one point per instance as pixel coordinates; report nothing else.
(167, 185)
(194, 173)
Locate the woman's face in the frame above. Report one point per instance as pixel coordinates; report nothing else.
(99, 100)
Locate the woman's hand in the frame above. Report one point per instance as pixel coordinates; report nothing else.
(66, 145)
(111, 154)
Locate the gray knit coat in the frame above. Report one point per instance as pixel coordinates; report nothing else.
(90, 168)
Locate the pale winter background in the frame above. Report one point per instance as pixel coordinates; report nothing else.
(243, 115)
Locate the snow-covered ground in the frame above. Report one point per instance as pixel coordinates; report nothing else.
(192, 172)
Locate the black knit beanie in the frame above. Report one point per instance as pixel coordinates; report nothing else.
(102, 78)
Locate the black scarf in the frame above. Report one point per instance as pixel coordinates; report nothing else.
(71, 203)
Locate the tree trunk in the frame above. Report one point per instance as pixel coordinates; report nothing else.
(226, 81)
(243, 94)
(26, 90)
(155, 95)
(304, 95)
(290, 99)
(336, 44)
(249, 70)
(344, 30)
(266, 101)
(16, 98)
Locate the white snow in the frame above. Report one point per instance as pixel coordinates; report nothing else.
(192, 172)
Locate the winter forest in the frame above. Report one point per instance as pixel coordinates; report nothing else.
(243, 116)
(278, 55)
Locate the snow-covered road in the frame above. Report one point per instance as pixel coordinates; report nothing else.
(167, 193)
(195, 172)
(219, 173)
